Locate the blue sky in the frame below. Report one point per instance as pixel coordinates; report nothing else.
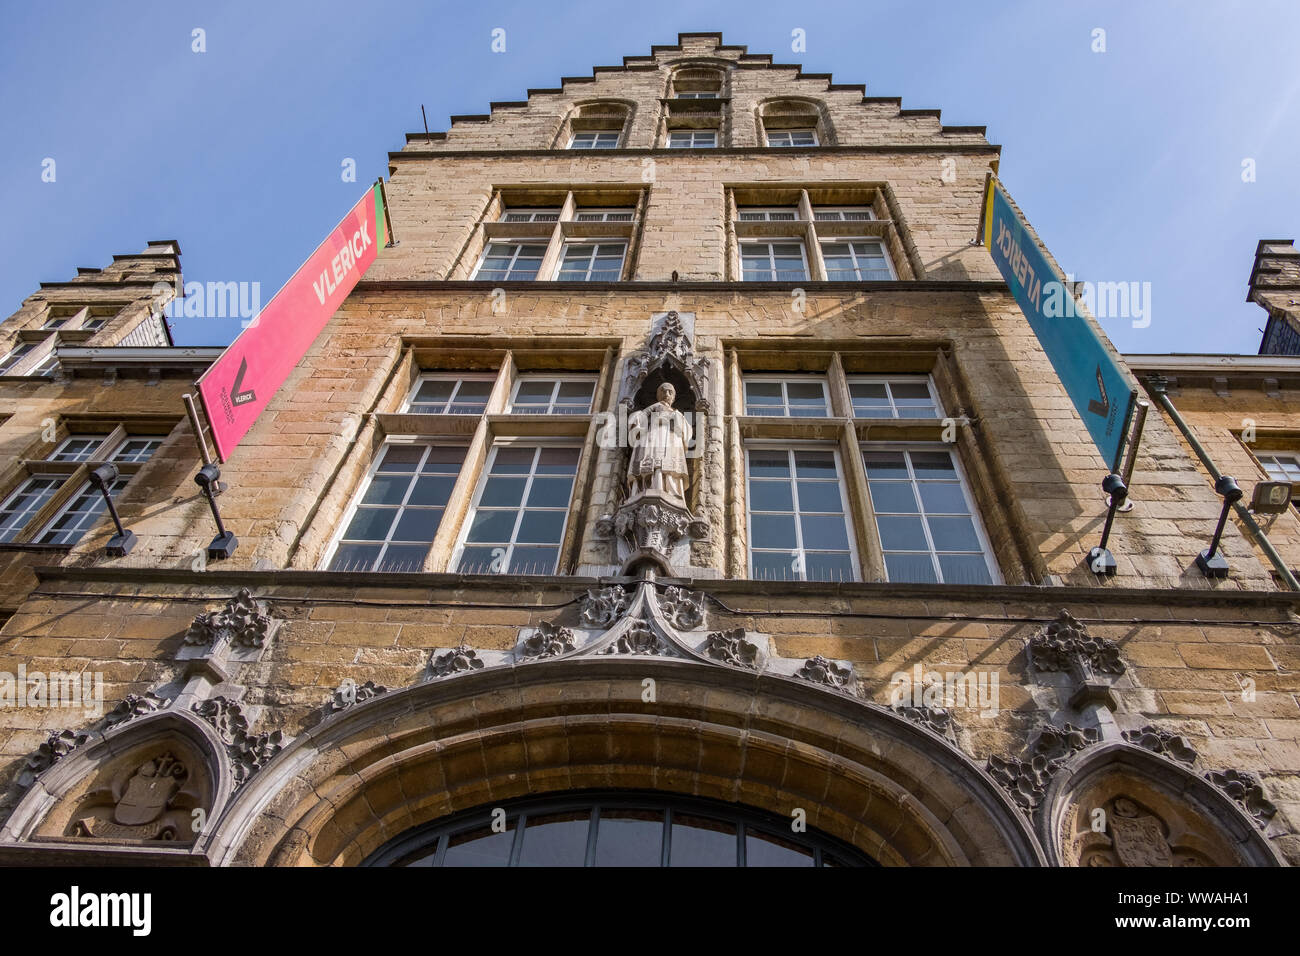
(1128, 162)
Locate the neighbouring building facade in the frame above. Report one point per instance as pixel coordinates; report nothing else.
(682, 487)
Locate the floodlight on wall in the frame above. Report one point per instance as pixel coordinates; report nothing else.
(120, 545)
(1100, 560)
(225, 543)
(1211, 562)
(1271, 497)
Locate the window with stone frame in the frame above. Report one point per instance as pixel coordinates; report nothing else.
(787, 396)
(798, 522)
(392, 523)
(692, 139)
(878, 423)
(450, 394)
(556, 234)
(546, 394)
(54, 502)
(783, 260)
(520, 510)
(845, 233)
(792, 137)
(431, 491)
(929, 531)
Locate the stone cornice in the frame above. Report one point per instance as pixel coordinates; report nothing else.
(719, 587)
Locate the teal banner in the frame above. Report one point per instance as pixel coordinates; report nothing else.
(1101, 391)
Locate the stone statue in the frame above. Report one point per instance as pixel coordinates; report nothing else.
(660, 434)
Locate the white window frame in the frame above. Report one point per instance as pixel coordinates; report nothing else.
(597, 134)
(92, 455)
(54, 324)
(790, 447)
(559, 378)
(764, 213)
(692, 133)
(597, 242)
(791, 133)
(57, 483)
(784, 381)
(857, 266)
(823, 214)
(483, 477)
(117, 487)
(995, 576)
(771, 258)
(94, 323)
(514, 257)
(698, 95)
(888, 381)
(602, 213)
(530, 214)
(364, 486)
(155, 440)
(15, 356)
(456, 377)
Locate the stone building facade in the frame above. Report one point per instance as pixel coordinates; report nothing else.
(823, 601)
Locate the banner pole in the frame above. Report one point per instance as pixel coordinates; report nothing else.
(388, 216)
(188, 399)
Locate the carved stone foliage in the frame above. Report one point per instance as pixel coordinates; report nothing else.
(639, 638)
(601, 607)
(1027, 779)
(731, 647)
(1246, 789)
(248, 752)
(669, 345)
(57, 746)
(1066, 645)
(684, 609)
(937, 719)
(133, 706)
(653, 527)
(1163, 742)
(244, 623)
(150, 800)
(349, 693)
(549, 640)
(455, 661)
(819, 670)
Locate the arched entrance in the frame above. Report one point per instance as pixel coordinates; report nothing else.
(895, 792)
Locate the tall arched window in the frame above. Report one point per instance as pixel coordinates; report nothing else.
(615, 828)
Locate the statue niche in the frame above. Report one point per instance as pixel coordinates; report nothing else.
(664, 386)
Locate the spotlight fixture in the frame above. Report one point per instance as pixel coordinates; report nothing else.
(225, 543)
(120, 545)
(1210, 561)
(1100, 560)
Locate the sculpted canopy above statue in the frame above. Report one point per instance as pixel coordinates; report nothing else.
(659, 436)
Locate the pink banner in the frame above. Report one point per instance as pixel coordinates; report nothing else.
(239, 384)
